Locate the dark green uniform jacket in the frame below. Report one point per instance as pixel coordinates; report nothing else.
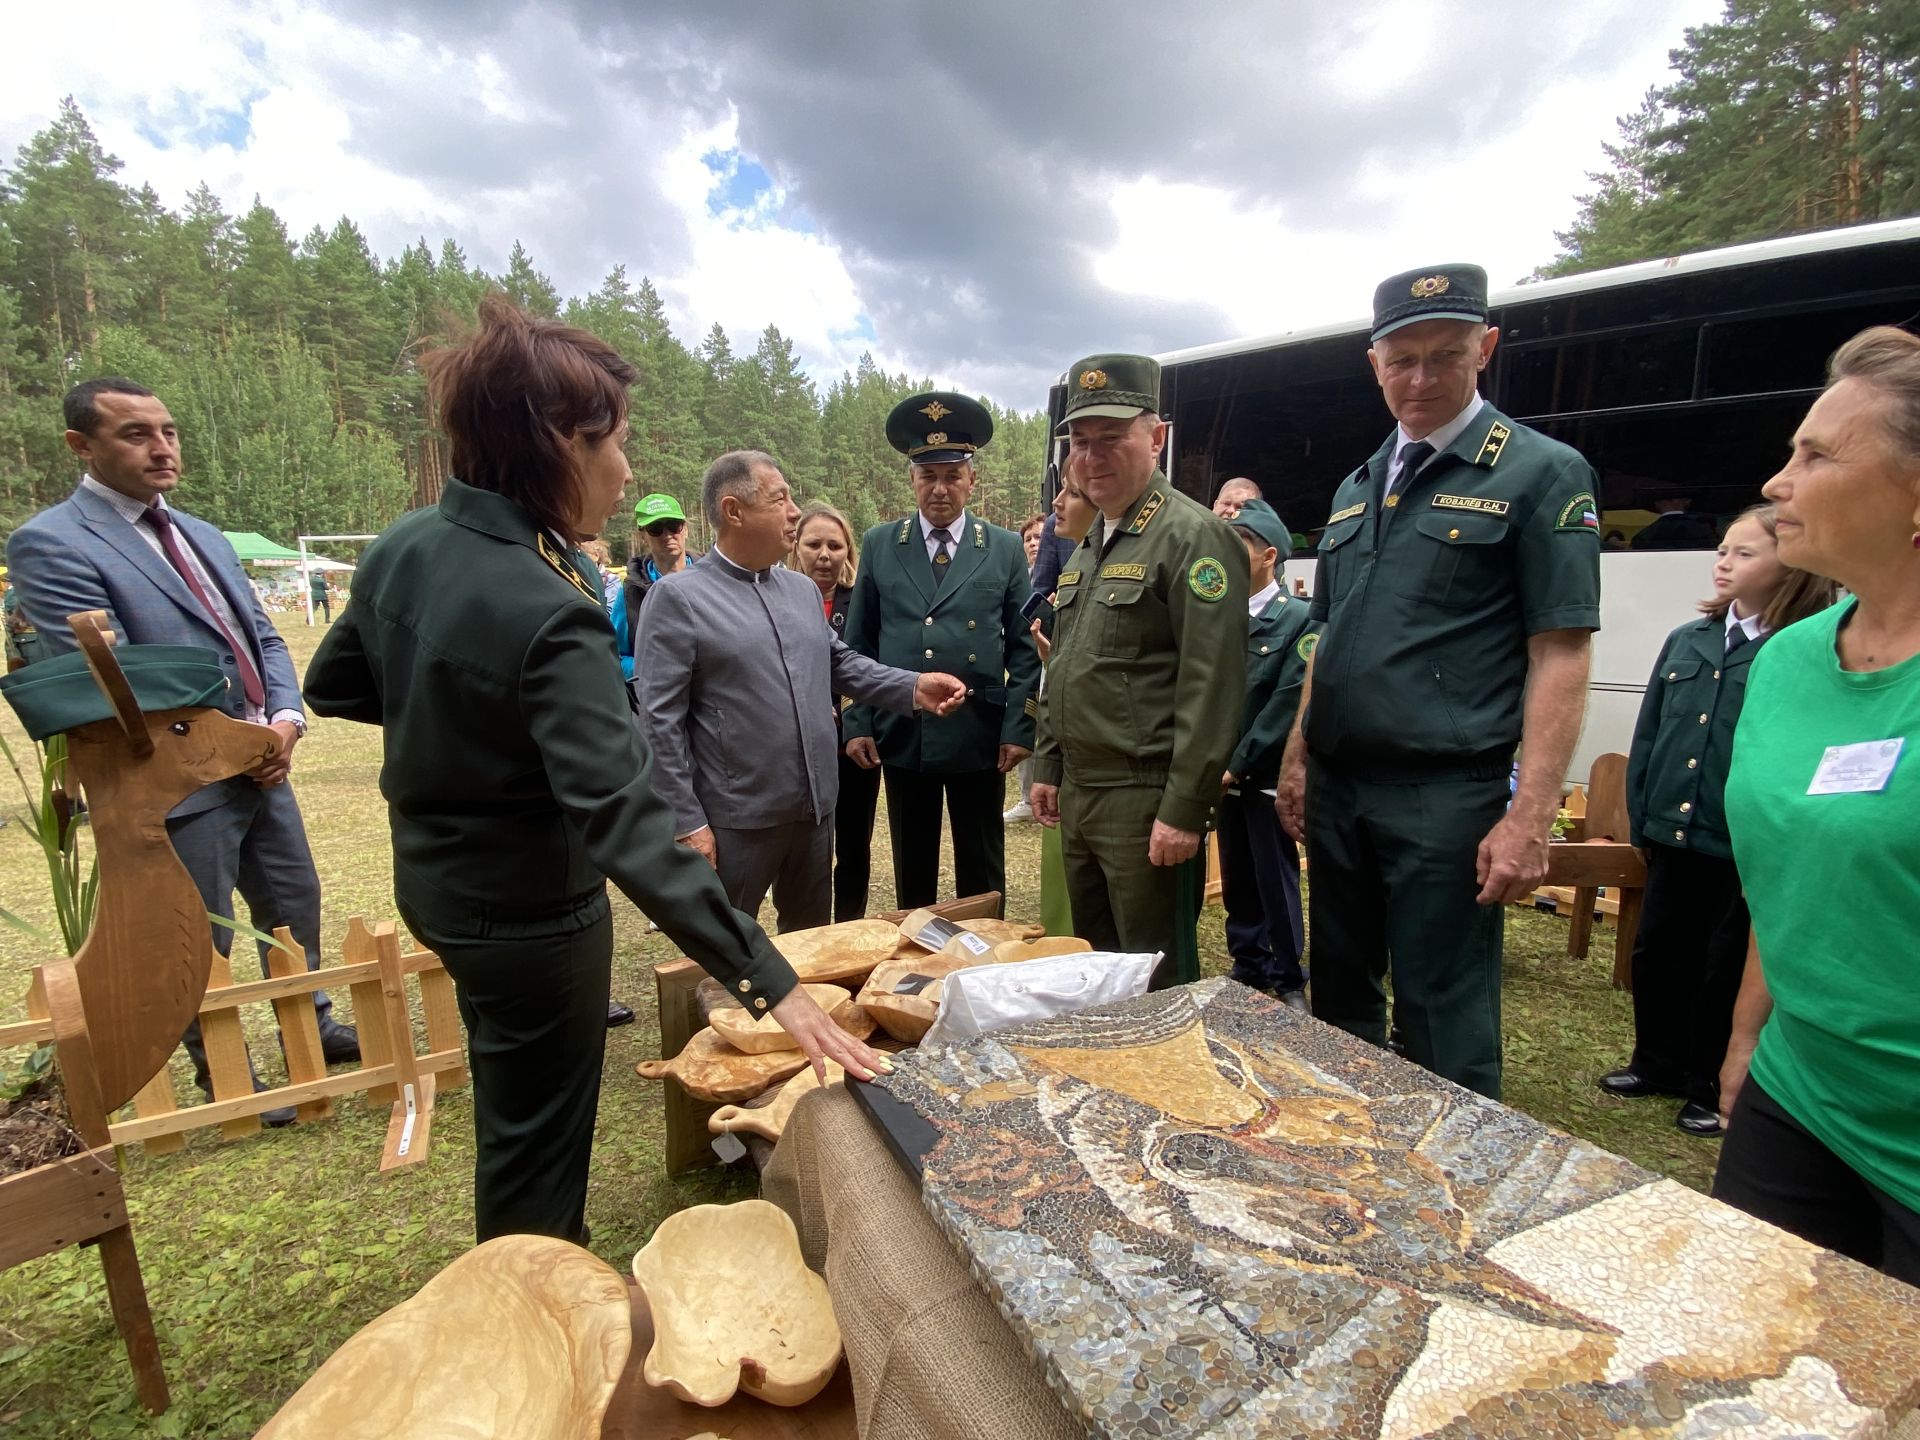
(970, 628)
(1423, 662)
(1683, 740)
(1149, 641)
(1279, 640)
(516, 780)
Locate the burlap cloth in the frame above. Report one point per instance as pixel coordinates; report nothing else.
(929, 1355)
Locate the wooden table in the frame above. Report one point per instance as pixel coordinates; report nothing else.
(676, 989)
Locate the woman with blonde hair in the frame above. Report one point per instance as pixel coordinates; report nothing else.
(823, 551)
(1692, 943)
(1821, 1087)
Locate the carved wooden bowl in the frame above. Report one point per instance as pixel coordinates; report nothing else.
(755, 1034)
(557, 1327)
(735, 1307)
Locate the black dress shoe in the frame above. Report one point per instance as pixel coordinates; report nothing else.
(339, 1044)
(618, 1014)
(1295, 999)
(1698, 1119)
(1630, 1084)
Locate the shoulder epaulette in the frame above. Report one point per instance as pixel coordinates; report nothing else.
(1147, 512)
(1496, 441)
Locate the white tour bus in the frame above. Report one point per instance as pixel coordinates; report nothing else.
(1681, 381)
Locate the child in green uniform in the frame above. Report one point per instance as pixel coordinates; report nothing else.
(1692, 943)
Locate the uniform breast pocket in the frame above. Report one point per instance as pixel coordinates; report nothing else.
(1683, 693)
(1339, 558)
(1126, 619)
(1451, 560)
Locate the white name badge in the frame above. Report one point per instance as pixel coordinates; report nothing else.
(1861, 769)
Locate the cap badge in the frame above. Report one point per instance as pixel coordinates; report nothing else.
(1094, 380)
(935, 412)
(937, 437)
(1428, 285)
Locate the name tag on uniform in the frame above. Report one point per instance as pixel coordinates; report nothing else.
(1862, 769)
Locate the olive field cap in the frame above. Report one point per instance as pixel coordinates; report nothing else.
(939, 427)
(1117, 386)
(57, 695)
(1439, 292)
(1260, 518)
(657, 507)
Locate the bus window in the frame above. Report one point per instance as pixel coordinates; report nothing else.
(1648, 368)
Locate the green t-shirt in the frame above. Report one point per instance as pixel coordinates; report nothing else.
(1833, 881)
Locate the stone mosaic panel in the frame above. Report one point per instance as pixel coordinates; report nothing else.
(1210, 1216)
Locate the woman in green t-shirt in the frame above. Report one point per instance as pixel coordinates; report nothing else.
(1820, 1092)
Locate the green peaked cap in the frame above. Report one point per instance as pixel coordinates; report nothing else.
(1119, 386)
(939, 427)
(1261, 519)
(57, 695)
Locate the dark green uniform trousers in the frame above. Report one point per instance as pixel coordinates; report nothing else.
(1121, 900)
(1391, 879)
(533, 995)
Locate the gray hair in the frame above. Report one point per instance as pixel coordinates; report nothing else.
(735, 473)
(1241, 482)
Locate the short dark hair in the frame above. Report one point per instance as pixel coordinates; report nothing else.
(512, 395)
(78, 408)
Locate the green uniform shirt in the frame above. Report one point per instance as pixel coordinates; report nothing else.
(515, 778)
(1834, 885)
(1149, 634)
(970, 628)
(1683, 741)
(1279, 641)
(1423, 662)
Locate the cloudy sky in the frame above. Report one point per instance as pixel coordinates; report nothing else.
(975, 192)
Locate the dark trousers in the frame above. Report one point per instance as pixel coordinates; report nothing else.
(1687, 964)
(853, 839)
(533, 995)
(794, 861)
(323, 606)
(1775, 1170)
(1394, 887)
(1260, 887)
(1120, 899)
(974, 802)
(256, 843)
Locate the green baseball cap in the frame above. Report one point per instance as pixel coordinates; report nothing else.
(1260, 518)
(1119, 386)
(57, 695)
(1439, 292)
(657, 507)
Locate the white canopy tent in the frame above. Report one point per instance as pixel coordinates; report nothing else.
(311, 563)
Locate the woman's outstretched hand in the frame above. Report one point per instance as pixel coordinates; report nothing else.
(822, 1040)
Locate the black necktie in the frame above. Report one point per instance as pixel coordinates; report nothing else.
(1412, 457)
(1736, 636)
(941, 557)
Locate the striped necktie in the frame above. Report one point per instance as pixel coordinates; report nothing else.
(158, 519)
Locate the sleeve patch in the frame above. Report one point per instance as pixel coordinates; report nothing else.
(1207, 578)
(1307, 644)
(1579, 513)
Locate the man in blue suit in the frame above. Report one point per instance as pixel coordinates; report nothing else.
(167, 578)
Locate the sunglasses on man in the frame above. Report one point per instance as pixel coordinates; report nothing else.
(659, 530)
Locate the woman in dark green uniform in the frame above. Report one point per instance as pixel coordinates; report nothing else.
(516, 780)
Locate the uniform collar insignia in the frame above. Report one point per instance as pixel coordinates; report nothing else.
(979, 536)
(1149, 508)
(1490, 448)
(563, 566)
(906, 529)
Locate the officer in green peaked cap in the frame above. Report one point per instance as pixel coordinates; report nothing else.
(1150, 629)
(1459, 588)
(941, 590)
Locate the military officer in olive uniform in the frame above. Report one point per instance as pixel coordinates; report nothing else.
(1149, 656)
(1459, 584)
(1259, 863)
(942, 590)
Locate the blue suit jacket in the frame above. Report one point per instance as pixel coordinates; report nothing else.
(81, 555)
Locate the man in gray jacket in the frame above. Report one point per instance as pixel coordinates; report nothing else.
(738, 673)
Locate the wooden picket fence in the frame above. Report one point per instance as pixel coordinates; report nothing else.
(391, 1073)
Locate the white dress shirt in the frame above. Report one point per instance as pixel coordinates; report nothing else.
(1259, 602)
(130, 510)
(955, 529)
(1750, 626)
(1439, 439)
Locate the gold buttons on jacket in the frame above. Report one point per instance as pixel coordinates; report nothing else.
(1679, 834)
(1716, 674)
(970, 624)
(1671, 674)
(1264, 649)
(759, 1002)
(1703, 719)
(929, 619)
(1686, 807)
(1693, 764)
(1453, 534)
(929, 655)
(972, 658)
(745, 985)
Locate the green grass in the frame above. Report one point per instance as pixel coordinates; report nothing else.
(262, 1256)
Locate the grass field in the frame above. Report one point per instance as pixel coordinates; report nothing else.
(262, 1256)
